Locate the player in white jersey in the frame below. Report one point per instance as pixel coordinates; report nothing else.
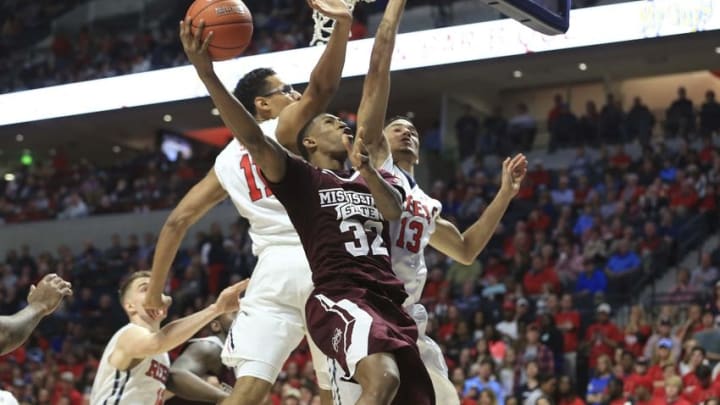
(135, 366)
(15, 329)
(272, 322)
(200, 361)
(421, 225)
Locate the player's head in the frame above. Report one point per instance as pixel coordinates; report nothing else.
(323, 134)
(221, 324)
(132, 293)
(403, 138)
(263, 94)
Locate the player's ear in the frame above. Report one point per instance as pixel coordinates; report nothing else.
(309, 143)
(215, 326)
(262, 106)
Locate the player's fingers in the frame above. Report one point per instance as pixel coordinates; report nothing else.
(197, 39)
(347, 142)
(66, 291)
(32, 288)
(206, 42)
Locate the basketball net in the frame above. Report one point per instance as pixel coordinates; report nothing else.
(324, 25)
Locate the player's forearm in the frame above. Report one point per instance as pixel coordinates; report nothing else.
(15, 329)
(189, 386)
(171, 235)
(478, 235)
(387, 199)
(325, 77)
(178, 332)
(376, 87)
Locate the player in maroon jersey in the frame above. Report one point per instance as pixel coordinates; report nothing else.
(355, 313)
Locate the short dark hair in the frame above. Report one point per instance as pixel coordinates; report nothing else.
(301, 137)
(252, 85)
(125, 285)
(397, 117)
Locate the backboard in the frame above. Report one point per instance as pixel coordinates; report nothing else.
(550, 17)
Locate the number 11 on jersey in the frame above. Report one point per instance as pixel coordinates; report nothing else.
(253, 178)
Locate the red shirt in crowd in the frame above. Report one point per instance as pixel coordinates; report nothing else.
(570, 338)
(533, 282)
(696, 394)
(634, 380)
(571, 401)
(598, 347)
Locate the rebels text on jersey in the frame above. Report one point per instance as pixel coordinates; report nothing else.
(343, 233)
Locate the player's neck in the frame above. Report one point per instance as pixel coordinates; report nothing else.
(327, 161)
(149, 325)
(407, 166)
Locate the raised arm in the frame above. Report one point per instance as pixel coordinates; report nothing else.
(388, 200)
(186, 374)
(42, 301)
(324, 79)
(465, 247)
(376, 87)
(267, 154)
(139, 343)
(199, 200)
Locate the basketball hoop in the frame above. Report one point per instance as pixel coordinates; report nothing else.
(324, 26)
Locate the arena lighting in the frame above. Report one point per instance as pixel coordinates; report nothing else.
(717, 50)
(9, 177)
(517, 74)
(582, 67)
(589, 26)
(167, 117)
(19, 137)
(215, 112)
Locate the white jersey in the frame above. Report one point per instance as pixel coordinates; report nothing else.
(410, 234)
(6, 398)
(241, 179)
(143, 384)
(211, 339)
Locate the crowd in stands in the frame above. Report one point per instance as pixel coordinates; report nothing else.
(99, 50)
(59, 189)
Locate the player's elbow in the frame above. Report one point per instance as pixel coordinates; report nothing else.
(180, 220)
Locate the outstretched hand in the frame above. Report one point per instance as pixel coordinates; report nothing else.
(335, 9)
(157, 307)
(195, 48)
(49, 293)
(229, 298)
(357, 152)
(513, 173)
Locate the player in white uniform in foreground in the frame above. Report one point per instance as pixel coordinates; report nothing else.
(272, 322)
(135, 366)
(42, 301)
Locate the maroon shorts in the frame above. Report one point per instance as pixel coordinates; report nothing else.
(348, 326)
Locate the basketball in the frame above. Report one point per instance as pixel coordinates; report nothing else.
(231, 22)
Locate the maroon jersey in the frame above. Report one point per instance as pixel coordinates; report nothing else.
(342, 231)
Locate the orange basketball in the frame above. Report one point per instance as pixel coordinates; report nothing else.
(231, 22)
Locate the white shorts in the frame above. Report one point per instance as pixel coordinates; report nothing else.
(271, 321)
(6, 398)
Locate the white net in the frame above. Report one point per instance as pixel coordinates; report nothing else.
(324, 26)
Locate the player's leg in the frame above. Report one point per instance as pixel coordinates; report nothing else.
(269, 325)
(431, 354)
(379, 377)
(321, 366)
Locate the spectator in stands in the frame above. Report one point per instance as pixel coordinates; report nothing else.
(592, 280)
(603, 336)
(702, 388)
(467, 130)
(622, 266)
(566, 392)
(75, 207)
(487, 397)
(615, 392)
(705, 275)
(494, 133)
(546, 389)
(673, 390)
(695, 358)
(563, 194)
(540, 278)
(522, 128)
(508, 327)
(663, 334)
(637, 331)
(639, 122)
(528, 381)
(589, 125)
(709, 114)
(597, 392)
(534, 350)
(638, 378)
(484, 379)
(620, 160)
(611, 121)
(564, 129)
(680, 116)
